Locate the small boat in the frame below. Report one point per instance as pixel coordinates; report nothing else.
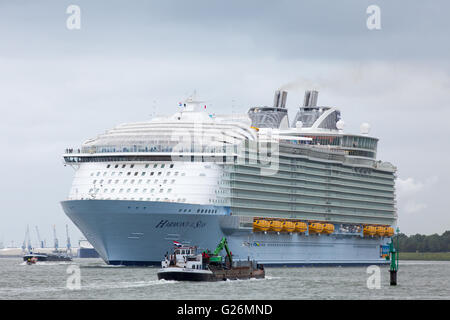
(186, 264)
(40, 257)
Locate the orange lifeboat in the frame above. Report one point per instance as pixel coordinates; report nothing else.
(389, 231)
(275, 225)
(288, 226)
(369, 230)
(260, 225)
(301, 227)
(328, 228)
(315, 227)
(380, 231)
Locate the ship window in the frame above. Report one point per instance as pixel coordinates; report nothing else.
(153, 189)
(121, 190)
(143, 174)
(112, 174)
(112, 190)
(176, 173)
(171, 166)
(140, 181)
(198, 210)
(116, 166)
(165, 181)
(120, 173)
(90, 190)
(172, 181)
(106, 190)
(123, 166)
(136, 173)
(128, 190)
(132, 166)
(144, 190)
(146, 165)
(155, 166)
(104, 173)
(202, 211)
(128, 173)
(162, 166)
(159, 173)
(168, 173)
(179, 210)
(92, 174)
(116, 182)
(125, 181)
(108, 166)
(148, 181)
(185, 210)
(109, 181)
(136, 190)
(94, 181)
(98, 173)
(132, 181)
(156, 181)
(152, 173)
(169, 190)
(161, 190)
(101, 181)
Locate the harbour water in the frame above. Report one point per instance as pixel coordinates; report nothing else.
(48, 280)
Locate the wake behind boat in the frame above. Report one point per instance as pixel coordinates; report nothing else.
(186, 264)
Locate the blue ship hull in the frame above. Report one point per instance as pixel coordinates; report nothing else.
(142, 232)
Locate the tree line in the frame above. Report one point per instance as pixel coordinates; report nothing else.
(423, 243)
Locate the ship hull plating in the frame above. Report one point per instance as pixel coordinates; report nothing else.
(142, 232)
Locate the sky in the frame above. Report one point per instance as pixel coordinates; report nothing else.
(131, 60)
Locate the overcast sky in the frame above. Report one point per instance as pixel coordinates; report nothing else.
(133, 59)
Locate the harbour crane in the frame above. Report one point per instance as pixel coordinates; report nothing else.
(55, 239)
(69, 246)
(41, 243)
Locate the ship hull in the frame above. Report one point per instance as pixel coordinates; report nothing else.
(142, 232)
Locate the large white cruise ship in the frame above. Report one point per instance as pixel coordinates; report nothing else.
(283, 193)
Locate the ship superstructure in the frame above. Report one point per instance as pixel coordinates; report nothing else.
(194, 177)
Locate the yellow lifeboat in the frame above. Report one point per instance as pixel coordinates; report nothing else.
(288, 226)
(379, 231)
(389, 231)
(301, 227)
(260, 225)
(369, 230)
(315, 227)
(275, 225)
(328, 228)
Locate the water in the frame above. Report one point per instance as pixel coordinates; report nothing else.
(47, 280)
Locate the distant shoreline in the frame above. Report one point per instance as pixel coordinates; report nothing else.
(427, 256)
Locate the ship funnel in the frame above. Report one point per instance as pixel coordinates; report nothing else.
(310, 98)
(279, 100)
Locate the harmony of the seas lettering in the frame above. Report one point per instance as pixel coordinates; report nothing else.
(180, 224)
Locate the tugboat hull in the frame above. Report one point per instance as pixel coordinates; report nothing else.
(216, 274)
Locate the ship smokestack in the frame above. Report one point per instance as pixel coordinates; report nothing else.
(279, 100)
(310, 98)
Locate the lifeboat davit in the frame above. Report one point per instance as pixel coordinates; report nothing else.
(380, 231)
(261, 225)
(328, 228)
(389, 232)
(288, 226)
(315, 227)
(301, 227)
(369, 230)
(275, 225)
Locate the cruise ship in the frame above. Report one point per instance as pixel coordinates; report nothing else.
(284, 193)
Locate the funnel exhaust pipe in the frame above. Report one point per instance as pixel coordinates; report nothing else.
(279, 100)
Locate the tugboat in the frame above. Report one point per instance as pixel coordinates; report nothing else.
(186, 264)
(54, 256)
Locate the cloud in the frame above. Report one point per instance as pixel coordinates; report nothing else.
(410, 194)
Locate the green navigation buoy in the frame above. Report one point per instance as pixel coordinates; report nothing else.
(393, 252)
